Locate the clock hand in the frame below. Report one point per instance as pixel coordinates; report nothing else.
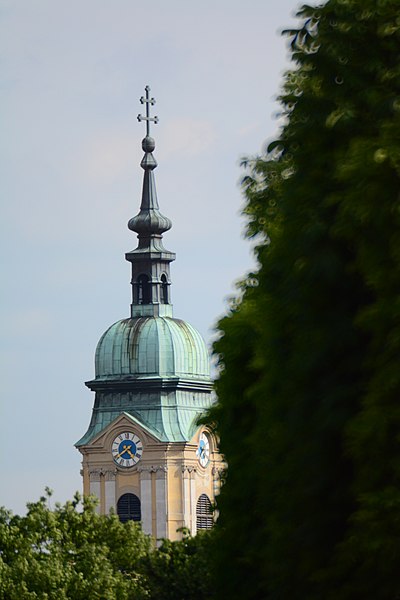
(130, 453)
(126, 449)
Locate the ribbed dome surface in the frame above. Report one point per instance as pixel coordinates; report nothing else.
(152, 347)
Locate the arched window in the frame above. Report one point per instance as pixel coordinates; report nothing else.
(204, 518)
(164, 290)
(128, 508)
(143, 290)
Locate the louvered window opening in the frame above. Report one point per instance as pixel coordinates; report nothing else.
(204, 518)
(164, 290)
(143, 290)
(128, 508)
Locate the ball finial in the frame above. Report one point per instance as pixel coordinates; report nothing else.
(148, 144)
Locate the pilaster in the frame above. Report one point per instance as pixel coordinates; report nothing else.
(193, 527)
(189, 497)
(161, 502)
(146, 500)
(109, 486)
(95, 485)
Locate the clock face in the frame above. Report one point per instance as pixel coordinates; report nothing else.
(127, 449)
(203, 450)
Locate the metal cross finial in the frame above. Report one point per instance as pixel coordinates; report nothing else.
(147, 118)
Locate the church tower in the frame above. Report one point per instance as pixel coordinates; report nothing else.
(144, 454)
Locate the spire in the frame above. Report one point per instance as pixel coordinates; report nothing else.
(150, 260)
(149, 220)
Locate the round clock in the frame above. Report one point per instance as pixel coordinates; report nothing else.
(127, 449)
(203, 449)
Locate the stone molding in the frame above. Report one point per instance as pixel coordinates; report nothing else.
(95, 474)
(218, 471)
(110, 475)
(153, 468)
(144, 473)
(189, 468)
(189, 471)
(161, 471)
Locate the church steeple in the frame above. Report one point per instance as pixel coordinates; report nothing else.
(150, 260)
(144, 455)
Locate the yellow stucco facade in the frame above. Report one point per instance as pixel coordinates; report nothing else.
(168, 479)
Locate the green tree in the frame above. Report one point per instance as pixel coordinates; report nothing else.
(309, 388)
(73, 553)
(70, 552)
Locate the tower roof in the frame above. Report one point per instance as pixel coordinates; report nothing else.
(151, 344)
(150, 366)
(151, 347)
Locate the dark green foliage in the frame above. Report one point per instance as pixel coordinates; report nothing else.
(71, 552)
(180, 570)
(309, 390)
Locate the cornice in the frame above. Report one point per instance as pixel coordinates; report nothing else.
(145, 384)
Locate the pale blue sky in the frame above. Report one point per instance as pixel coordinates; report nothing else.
(71, 76)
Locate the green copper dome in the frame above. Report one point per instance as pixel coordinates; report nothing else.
(148, 347)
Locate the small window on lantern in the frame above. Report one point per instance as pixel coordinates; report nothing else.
(164, 290)
(143, 290)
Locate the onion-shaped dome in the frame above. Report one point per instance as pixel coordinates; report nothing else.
(147, 347)
(149, 220)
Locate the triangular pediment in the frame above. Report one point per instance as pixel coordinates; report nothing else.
(124, 418)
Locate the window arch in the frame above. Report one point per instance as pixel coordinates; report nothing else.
(164, 290)
(128, 508)
(143, 290)
(204, 518)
